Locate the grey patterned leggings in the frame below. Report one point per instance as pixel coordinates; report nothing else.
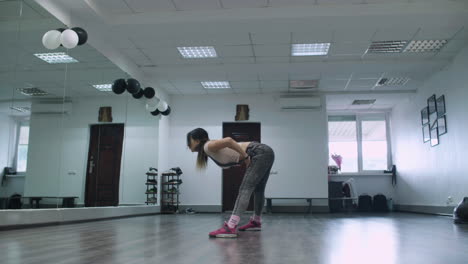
(255, 178)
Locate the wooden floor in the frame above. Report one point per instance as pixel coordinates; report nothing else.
(295, 238)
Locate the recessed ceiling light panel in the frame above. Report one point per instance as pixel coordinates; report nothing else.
(315, 49)
(197, 52)
(57, 57)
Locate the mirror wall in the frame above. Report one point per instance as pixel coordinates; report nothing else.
(69, 140)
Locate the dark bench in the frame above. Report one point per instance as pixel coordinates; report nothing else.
(67, 201)
(308, 199)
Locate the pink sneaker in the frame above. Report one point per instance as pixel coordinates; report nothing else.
(251, 226)
(224, 232)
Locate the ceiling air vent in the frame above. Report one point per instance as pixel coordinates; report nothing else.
(32, 91)
(364, 102)
(394, 81)
(391, 46)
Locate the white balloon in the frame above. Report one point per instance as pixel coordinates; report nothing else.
(162, 106)
(69, 39)
(51, 39)
(151, 108)
(153, 101)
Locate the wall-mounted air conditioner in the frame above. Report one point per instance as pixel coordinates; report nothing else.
(51, 108)
(300, 103)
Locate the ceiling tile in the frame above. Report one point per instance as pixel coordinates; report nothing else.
(348, 48)
(363, 34)
(197, 5)
(288, 3)
(333, 84)
(270, 38)
(238, 60)
(273, 75)
(234, 51)
(112, 6)
(273, 85)
(314, 36)
(151, 5)
(332, 2)
(428, 33)
(272, 59)
(272, 50)
(244, 3)
(245, 85)
(384, 34)
(362, 83)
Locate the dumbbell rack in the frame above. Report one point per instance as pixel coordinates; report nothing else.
(151, 184)
(169, 193)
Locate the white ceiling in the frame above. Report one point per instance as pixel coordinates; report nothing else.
(253, 40)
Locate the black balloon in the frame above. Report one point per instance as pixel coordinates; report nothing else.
(167, 112)
(119, 86)
(155, 112)
(61, 29)
(138, 95)
(82, 35)
(133, 86)
(149, 92)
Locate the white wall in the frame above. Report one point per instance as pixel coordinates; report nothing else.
(57, 157)
(299, 140)
(428, 175)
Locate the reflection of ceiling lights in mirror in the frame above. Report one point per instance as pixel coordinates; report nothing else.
(21, 109)
(425, 45)
(390, 46)
(197, 52)
(32, 91)
(315, 49)
(103, 87)
(216, 85)
(57, 57)
(393, 81)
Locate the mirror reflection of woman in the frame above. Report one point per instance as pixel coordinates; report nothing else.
(258, 159)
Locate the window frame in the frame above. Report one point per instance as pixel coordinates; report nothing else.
(359, 118)
(20, 124)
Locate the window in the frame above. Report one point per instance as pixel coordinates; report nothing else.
(22, 151)
(361, 141)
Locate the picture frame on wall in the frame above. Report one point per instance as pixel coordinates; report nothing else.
(424, 116)
(434, 136)
(426, 133)
(432, 104)
(442, 125)
(440, 105)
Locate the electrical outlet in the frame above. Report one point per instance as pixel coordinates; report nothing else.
(449, 200)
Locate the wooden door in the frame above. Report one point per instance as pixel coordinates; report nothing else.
(103, 169)
(232, 177)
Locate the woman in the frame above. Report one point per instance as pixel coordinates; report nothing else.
(226, 153)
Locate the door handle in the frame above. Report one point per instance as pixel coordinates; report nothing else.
(91, 166)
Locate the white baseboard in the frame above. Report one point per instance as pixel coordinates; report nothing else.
(25, 217)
